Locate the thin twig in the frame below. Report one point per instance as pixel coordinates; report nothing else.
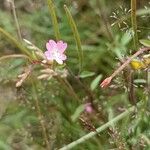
(107, 81)
(140, 51)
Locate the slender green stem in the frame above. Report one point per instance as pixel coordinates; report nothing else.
(54, 19)
(134, 23)
(71, 89)
(16, 20)
(131, 91)
(100, 129)
(41, 118)
(86, 89)
(147, 91)
(68, 87)
(15, 42)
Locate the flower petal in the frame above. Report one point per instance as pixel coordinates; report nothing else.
(48, 55)
(59, 61)
(61, 46)
(51, 45)
(88, 108)
(63, 57)
(106, 82)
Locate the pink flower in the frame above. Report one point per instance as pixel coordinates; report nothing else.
(88, 108)
(106, 82)
(55, 51)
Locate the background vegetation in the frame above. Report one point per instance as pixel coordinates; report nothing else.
(50, 113)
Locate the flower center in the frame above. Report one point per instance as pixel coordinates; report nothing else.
(55, 53)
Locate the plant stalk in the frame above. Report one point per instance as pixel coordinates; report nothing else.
(16, 20)
(134, 23)
(100, 129)
(41, 118)
(68, 87)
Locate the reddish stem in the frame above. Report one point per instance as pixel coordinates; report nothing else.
(106, 82)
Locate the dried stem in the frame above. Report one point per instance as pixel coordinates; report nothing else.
(107, 81)
(140, 51)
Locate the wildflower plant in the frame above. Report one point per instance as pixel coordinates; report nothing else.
(63, 97)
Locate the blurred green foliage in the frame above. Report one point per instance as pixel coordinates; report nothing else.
(103, 46)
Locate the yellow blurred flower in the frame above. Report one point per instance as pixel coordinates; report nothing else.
(142, 63)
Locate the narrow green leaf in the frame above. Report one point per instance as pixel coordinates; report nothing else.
(86, 74)
(54, 19)
(95, 82)
(77, 113)
(145, 42)
(126, 38)
(76, 36)
(140, 81)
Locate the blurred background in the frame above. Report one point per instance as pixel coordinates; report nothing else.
(106, 39)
